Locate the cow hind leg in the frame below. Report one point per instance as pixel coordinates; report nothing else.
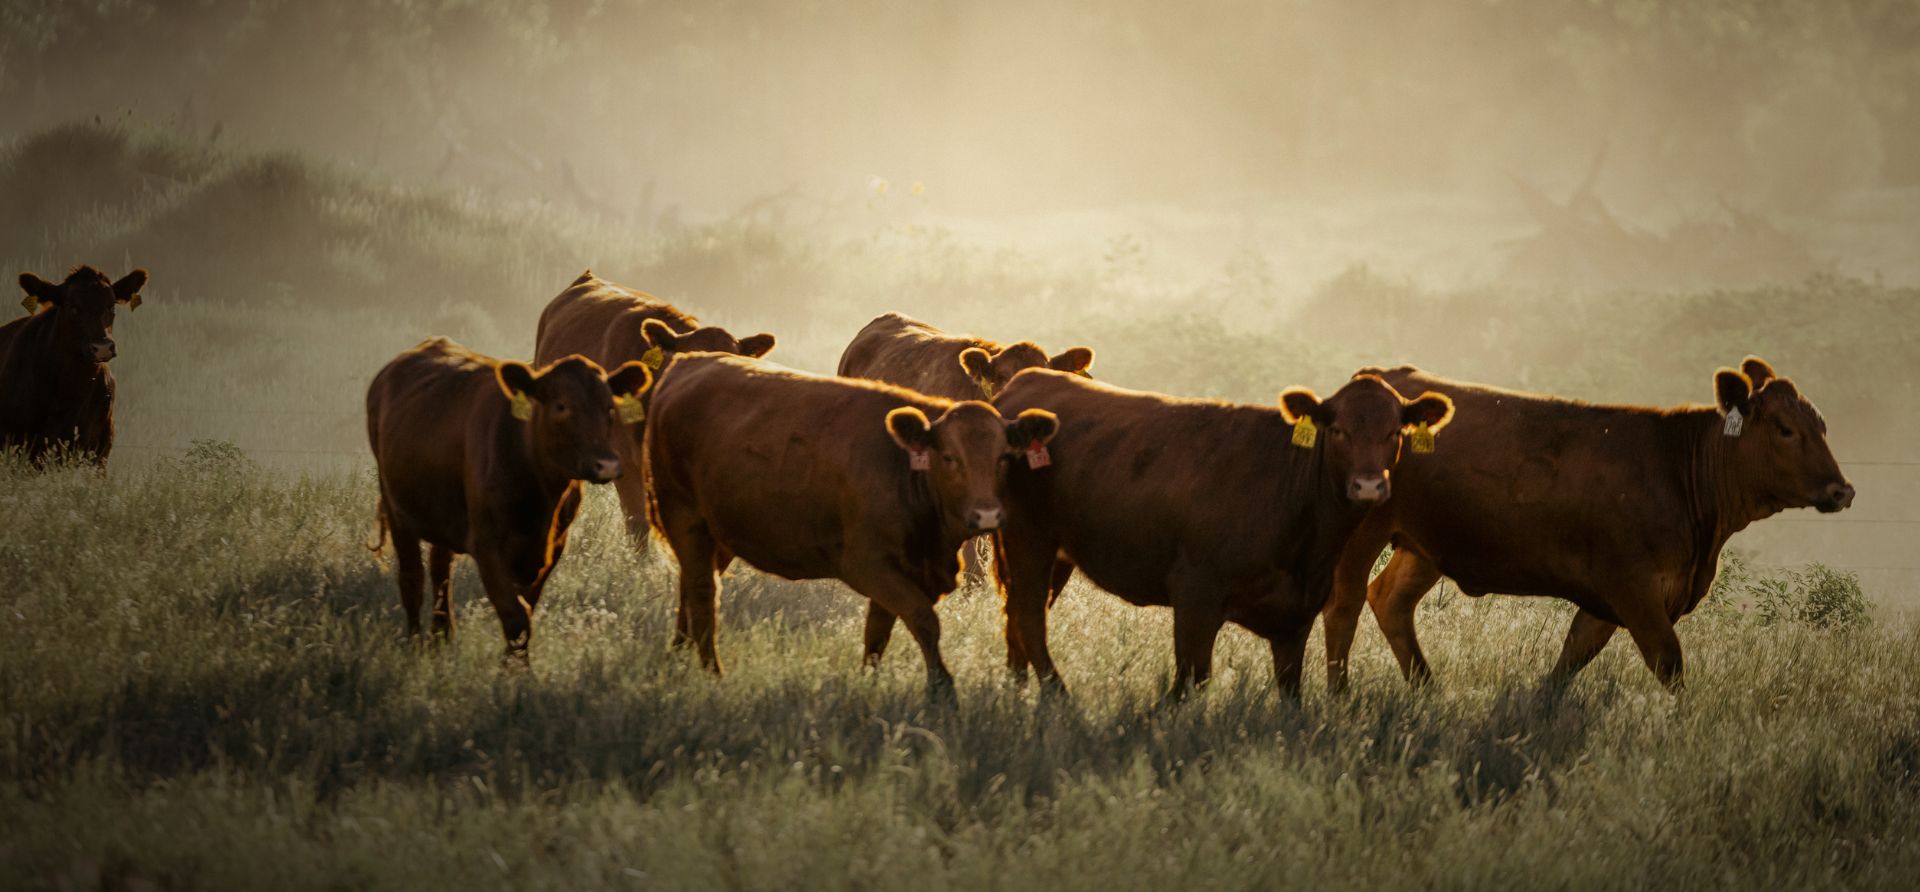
(440, 569)
(1393, 596)
(1341, 615)
(1586, 637)
(412, 579)
(879, 631)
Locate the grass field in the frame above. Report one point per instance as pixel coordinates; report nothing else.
(204, 683)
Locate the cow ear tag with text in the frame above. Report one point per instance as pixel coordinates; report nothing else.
(653, 358)
(522, 406)
(1304, 433)
(918, 459)
(986, 387)
(1735, 423)
(1037, 456)
(631, 412)
(1423, 439)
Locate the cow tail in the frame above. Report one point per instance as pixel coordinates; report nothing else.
(379, 543)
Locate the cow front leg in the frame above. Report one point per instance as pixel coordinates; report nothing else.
(879, 632)
(516, 616)
(1394, 595)
(1586, 637)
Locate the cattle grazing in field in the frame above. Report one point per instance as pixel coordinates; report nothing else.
(484, 457)
(1622, 510)
(810, 477)
(56, 392)
(612, 324)
(1223, 512)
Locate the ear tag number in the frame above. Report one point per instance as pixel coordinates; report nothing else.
(630, 409)
(1037, 455)
(653, 358)
(919, 459)
(986, 387)
(1304, 433)
(522, 406)
(1423, 439)
(1735, 423)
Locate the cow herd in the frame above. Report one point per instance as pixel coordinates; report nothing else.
(883, 475)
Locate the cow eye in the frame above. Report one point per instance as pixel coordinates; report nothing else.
(950, 460)
(1786, 433)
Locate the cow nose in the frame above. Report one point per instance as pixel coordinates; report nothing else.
(603, 470)
(1369, 488)
(102, 351)
(985, 519)
(1839, 497)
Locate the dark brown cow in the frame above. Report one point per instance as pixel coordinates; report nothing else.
(613, 324)
(912, 354)
(484, 457)
(1223, 512)
(1620, 509)
(809, 477)
(56, 393)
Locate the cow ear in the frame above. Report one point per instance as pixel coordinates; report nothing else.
(1757, 371)
(40, 292)
(659, 334)
(910, 428)
(1033, 425)
(127, 290)
(756, 346)
(976, 362)
(1732, 390)
(1299, 402)
(1073, 359)
(515, 378)
(1434, 410)
(630, 379)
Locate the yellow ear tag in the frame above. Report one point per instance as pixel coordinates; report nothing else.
(522, 406)
(986, 387)
(133, 303)
(31, 303)
(1423, 439)
(652, 358)
(631, 412)
(1304, 433)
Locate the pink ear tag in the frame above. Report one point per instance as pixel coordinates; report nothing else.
(1037, 456)
(919, 459)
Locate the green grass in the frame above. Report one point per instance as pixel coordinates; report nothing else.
(206, 686)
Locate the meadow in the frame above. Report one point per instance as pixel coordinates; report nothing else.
(206, 686)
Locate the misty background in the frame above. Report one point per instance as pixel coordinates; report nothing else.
(1603, 199)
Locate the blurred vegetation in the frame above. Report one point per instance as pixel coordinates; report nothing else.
(245, 713)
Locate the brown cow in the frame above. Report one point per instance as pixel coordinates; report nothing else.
(612, 324)
(56, 392)
(1221, 511)
(810, 477)
(484, 457)
(1620, 509)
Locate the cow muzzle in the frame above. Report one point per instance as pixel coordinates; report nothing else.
(101, 351)
(1369, 488)
(1836, 497)
(601, 470)
(985, 520)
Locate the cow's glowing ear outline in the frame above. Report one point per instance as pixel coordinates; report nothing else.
(977, 363)
(127, 290)
(40, 292)
(516, 379)
(659, 334)
(630, 379)
(1758, 372)
(758, 345)
(1732, 390)
(909, 427)
(1299, 402)
(1032, 426)
(1435, 410)
(1072, 359)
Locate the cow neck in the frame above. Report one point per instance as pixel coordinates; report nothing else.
(73, 375)
(1313, 495)
(1720, 505)
(514, 440)
(927, 522)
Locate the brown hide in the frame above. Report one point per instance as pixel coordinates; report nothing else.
(56, 392)
(912, 354)
(1622, 510)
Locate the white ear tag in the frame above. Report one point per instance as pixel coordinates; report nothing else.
(1735, 423)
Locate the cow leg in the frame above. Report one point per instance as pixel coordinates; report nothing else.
(1286, 635)
(1341, 615)
(1199, 610)
(1025, 566)
(1587, 636)
(696, 624)
(1653, 633)
(914, 607)
(631, 487)
(1393, 596)
(879, 632)
(440, 570)
(516, 616)
(406, 558)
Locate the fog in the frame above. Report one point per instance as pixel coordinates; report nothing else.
(1766, 139)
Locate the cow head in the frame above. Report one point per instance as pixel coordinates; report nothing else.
(1361, 429)
(1780, 441)
(965, 453)
(571, 408)
(84, 306)
(992, 371)
(705, 339)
